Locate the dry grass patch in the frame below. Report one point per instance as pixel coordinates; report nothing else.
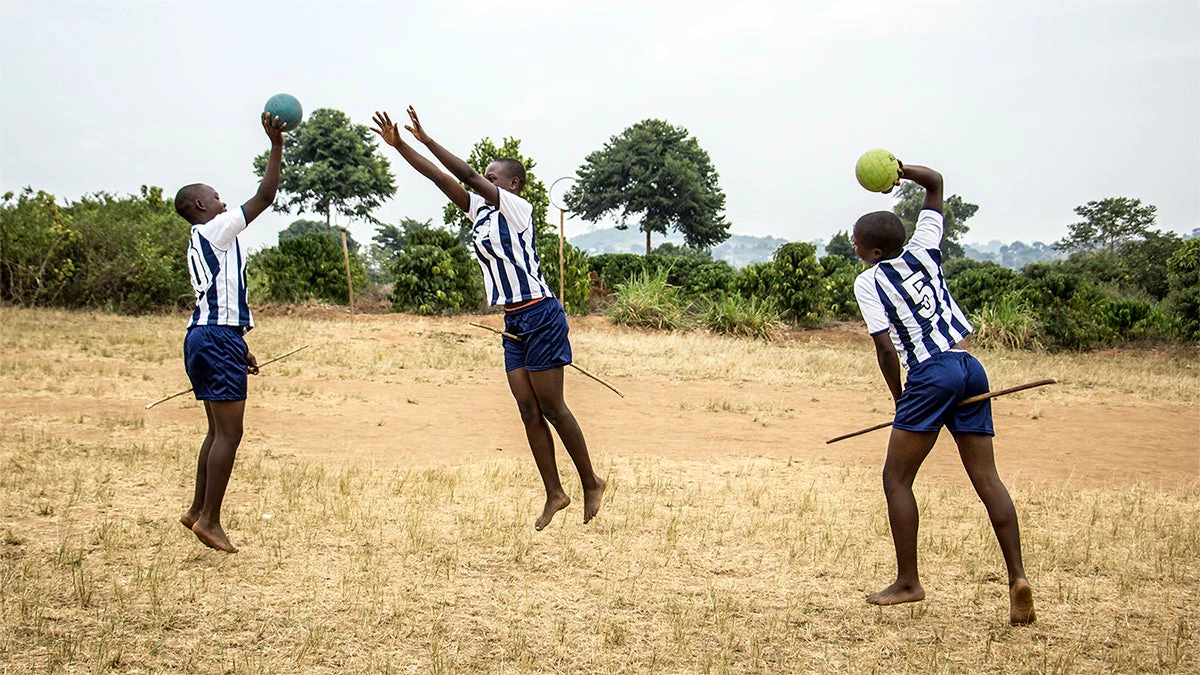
(745, 566)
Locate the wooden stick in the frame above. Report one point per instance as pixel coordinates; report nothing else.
(1010, 390)
(573, 365)
(181, 393)
(966, 401)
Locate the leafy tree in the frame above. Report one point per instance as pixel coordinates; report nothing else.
(955, 212)
(299, 227)
(1142, 262)
(307, 267)
(1108, 223)
(330, 164)
(485, 152)
(841, 245)
(656, 173)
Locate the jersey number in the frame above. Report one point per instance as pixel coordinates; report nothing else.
(921, 292)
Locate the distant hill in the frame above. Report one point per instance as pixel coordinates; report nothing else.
(739, 250)
(1013, 256)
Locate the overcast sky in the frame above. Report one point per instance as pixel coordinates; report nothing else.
(1028, 108)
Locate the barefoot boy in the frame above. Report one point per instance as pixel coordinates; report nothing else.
(912, 319)
(214, 353)
(503, 242)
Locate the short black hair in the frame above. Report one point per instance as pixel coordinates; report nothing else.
(882, 230)
(187, 195)
(515, 168)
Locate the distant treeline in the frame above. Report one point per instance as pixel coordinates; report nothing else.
(126, 254)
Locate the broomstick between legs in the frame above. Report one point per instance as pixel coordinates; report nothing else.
(965, 401)
(573, 365)
(181, 393)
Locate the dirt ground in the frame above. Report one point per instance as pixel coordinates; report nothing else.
(1106, 439)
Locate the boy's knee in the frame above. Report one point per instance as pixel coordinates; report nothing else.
(529, 411)
(553, 411)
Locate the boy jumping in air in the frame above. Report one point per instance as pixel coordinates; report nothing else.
(215, 355)
(913, 320)
(503, 241)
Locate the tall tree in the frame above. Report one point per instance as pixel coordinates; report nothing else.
(955, 212)
(657, 174)
(303, 226)
(485, 152)
(330, 164)
(1108, 223)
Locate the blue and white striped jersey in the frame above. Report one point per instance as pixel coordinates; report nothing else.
(504, 245)
(907, 296)
(218, 271)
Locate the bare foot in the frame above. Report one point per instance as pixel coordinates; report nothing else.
(897, 593)
(553, 505)
(1020, 603)
(591, 500)
(188, 519)
(213, 536)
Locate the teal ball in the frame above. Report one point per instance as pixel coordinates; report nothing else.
(286, 108)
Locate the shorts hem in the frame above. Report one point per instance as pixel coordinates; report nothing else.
(220, 399)
(919, 430)
(538, 369)
(980, 432)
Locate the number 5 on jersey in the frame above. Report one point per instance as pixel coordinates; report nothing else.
(924, 301)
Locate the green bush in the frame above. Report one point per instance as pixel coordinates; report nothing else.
(1066, 304)
(578, 282)
(1183, 281)
(977, 287)
(796, 282)
(118, 253)
(614, 269)
(435, 274)
(130, 253)
(738, 316)
(648, 301)
(307, 267)
(35, 235)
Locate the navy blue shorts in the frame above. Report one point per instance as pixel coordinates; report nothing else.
(933, 390)
(215, 359)
(543, 329)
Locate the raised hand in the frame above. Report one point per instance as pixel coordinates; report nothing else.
(274, 128)
(415, 128)
(386, 129)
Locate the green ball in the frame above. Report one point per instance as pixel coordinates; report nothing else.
(877, 170)
(286, 108)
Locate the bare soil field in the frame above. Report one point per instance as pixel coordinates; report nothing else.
(384, 500)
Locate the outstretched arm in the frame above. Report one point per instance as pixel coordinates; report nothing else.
(928, 179)
(889, 363)
(270, 182)
(461, 170)
(390, 134)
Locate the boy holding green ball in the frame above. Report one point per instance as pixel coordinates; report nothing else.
(913, 320)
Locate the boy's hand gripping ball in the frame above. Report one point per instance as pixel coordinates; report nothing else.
(877, 170)
(286, 108)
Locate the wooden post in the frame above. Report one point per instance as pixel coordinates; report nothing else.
(349, 283)
(562, 273)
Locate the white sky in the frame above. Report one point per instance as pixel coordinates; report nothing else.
(1028, 108)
